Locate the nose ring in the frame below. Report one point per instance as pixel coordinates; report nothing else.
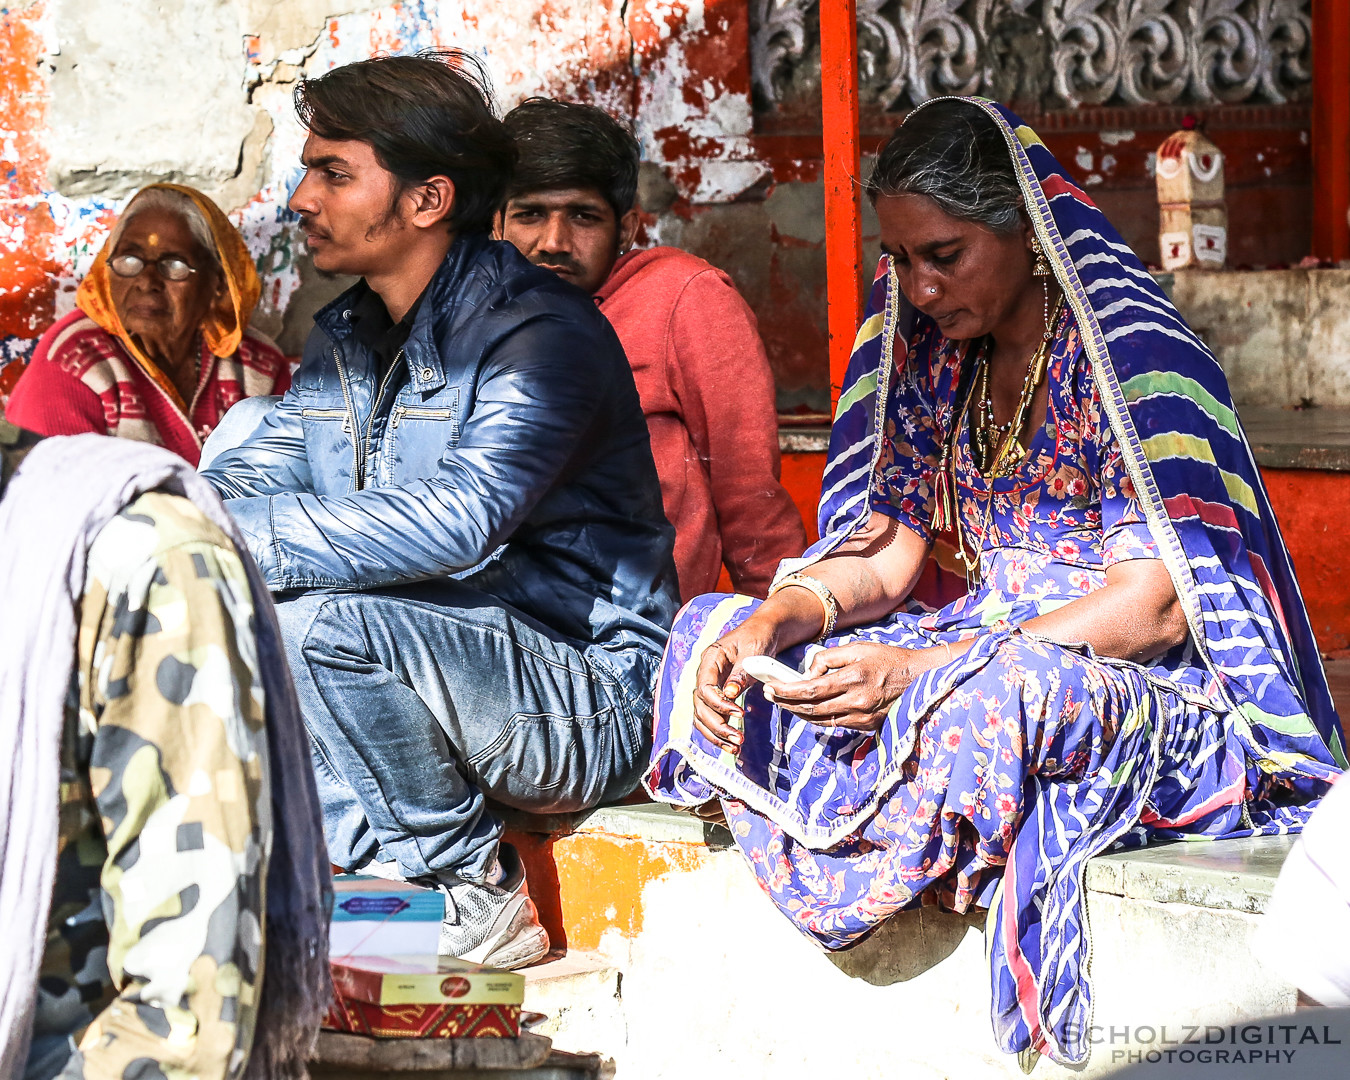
(932, 290)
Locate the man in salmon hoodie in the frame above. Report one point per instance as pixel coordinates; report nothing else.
(692, 341)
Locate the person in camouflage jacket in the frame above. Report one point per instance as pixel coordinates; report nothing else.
(155, 936)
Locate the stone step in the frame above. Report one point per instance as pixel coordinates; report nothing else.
(529, 1057)
(680, 966)
(1227, 875)
(579, 993)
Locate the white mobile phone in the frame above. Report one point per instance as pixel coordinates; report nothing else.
(768, 670)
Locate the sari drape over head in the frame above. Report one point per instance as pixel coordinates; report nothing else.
(223, 328)
(88, 373)
(1193, 470)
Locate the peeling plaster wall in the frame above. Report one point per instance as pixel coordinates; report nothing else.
(143, 92)
(100, 96)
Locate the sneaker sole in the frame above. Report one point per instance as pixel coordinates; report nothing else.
(519, 942)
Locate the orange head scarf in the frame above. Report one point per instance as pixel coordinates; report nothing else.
(223, 326)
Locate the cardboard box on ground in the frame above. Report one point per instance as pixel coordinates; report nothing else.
(388, 980)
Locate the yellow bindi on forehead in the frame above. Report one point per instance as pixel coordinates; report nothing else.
(153, 239)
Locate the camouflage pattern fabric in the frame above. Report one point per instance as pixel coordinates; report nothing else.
(155, 938)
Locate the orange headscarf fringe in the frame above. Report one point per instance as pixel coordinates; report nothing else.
(221, 329)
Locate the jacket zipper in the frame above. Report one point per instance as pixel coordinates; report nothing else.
(350, 425)
(400, 411)
(327, 414)
(370, 425)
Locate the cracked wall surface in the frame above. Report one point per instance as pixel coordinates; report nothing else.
(144, 91)
(98, 97)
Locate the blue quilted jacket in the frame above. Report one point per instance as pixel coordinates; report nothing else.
(506, 446)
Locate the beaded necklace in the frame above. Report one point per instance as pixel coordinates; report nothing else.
(996, 449)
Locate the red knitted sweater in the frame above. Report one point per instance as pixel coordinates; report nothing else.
(81, 379)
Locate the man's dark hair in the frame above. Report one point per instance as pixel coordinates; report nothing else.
(565, 145)
(426, 115)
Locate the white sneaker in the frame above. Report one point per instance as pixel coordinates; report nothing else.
(389, 871)
(494, 925)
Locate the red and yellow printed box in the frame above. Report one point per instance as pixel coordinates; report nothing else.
(424, 1021)
(424, 997)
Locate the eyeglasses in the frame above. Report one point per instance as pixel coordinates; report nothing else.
(170, 267)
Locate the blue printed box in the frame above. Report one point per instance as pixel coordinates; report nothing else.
(375, 917)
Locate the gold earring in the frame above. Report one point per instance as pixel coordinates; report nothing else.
(1041, 267)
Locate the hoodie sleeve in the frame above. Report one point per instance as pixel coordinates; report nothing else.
(727, 394)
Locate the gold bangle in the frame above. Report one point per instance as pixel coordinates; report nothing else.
(822, 593)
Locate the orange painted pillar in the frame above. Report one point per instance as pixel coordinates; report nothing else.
(843, 193)
(1330, 128)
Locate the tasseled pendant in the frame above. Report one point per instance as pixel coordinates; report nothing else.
(944, 510)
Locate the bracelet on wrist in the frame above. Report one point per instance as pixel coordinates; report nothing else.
(822, 593)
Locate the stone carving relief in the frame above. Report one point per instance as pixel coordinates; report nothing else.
(1056, 53)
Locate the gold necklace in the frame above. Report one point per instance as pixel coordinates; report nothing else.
(997, 449)
(1010, 452)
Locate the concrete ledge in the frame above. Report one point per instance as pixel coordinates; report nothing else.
(636, 821)
(803, 440)
(653, 821)
(1298, 438)
(579, 993)
(339, 1054)
(1223, 875)
(812, 440)
(679, 966)
(1226, 875)
(1281, 438)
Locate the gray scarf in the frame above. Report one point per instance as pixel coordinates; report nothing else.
(61, 496)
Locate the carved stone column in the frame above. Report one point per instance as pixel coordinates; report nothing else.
(1048, 53)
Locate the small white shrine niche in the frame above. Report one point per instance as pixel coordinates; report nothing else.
(1193, 219)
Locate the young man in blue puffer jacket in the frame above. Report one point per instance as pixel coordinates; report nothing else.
(455, 506)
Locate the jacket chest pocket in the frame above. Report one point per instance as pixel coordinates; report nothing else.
(416, 415)
(329, 414)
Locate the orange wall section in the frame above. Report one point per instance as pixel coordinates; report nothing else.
(1313, 509)
(585, 884)
(801, 477)
(27, 287)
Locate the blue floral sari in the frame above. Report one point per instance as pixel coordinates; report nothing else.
(996, 776)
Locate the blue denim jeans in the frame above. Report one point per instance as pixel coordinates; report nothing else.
(423, 699)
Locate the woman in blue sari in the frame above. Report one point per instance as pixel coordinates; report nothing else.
(1131, 658)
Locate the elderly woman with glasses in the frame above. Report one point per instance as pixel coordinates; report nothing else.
(159, 345)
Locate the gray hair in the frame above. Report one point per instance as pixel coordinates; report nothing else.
(170, 202)
(952, 152)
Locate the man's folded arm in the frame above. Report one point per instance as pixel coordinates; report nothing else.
(270, 461)
(534, 405)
